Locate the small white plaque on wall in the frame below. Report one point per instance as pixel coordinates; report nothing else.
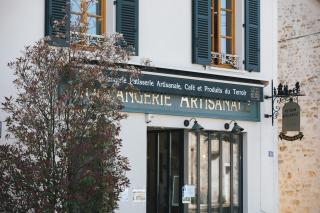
(139, 195)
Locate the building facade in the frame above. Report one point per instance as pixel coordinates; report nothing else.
(209, 63)
(299, 60)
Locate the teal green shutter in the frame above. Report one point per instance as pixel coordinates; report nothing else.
(127, 21)
(252, 34)
(57, 10)
(201, 32)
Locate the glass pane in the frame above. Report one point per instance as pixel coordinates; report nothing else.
(204, 172)
(152, 172)
(226, 23)
(175, 190)
(94, 8)
(223, 3)
(225, 170)
(226, 46)
(192, 169)
(163, 172)
(216, 26)
(229, 5)
(236, 173)
(74, 22)
(215, 157)
(75, 6)
(223, 45)
(223, 23)
(226, 4)
(94, 26)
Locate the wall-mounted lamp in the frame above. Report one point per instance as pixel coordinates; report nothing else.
(196, 126)
(236, 128)
(147, 118)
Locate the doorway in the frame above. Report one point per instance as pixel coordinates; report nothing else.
(164, 169)
(211, 161)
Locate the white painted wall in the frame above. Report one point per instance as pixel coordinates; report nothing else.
(165, 38)
(21, 23)
(259, 194)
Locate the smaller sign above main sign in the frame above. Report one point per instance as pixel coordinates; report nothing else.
(291, 117)
(196, 88)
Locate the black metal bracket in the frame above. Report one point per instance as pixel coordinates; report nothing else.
(280, 95)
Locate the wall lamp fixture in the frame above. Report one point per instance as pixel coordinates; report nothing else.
(196, 126)
(236, 128)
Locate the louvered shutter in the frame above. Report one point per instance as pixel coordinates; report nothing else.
(57, 10)
(201, 32)
(127, 21)
(252, 56)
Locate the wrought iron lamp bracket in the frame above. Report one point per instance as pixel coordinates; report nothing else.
(281, 95)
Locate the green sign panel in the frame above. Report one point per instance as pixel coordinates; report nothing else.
(190, 97)
(189, 106)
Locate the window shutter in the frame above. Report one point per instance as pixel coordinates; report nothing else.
(201, 32)
(252, 34)
(127, 21)
(57, 10)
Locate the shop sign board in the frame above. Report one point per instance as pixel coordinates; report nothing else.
(291, 121)
(167, 104)
(291, 117)
(170, 95)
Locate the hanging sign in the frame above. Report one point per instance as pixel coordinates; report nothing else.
(291, 117)
(291, 121)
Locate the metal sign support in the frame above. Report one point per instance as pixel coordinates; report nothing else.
(280, 95)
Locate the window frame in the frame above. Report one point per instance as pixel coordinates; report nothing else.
(197, 206)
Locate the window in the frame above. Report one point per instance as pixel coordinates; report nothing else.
(89, 16)
(218, 29)
(215, 169)
(223, 33)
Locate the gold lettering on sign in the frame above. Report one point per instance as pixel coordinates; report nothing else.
(218, 104)
(211, 105)
(234, 106)
(194, 103)
(155, 99)
(147, 98)
(184, 102)
(167, 100)
(120, 96)
(138, 95)
(226, 104)
(132, 95)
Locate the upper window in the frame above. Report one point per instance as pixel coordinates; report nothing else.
(223, 33)
(89, 16)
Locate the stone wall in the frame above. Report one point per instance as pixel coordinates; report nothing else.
(299, 60)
